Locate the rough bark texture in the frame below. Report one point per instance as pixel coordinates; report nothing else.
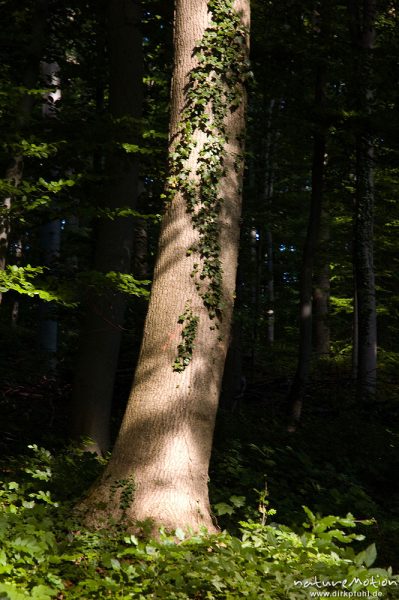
(363, 36)
(165, 440)
(103, 323)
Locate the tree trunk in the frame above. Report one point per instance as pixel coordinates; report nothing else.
(363, 36)
(50, 242)
(321, 292)
(270, 287)
(306, 282)
(268, 236)
(50, 233)
(103, 323)
(364, 272)
(355, 331)
(164, 445)
(255, 243)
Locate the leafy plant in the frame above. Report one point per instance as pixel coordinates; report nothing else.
(47, 554)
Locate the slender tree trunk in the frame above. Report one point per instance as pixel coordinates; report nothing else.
(18, 247)
(50, 233)
(255, 291)
(268, 237)
(165, 441)
(364, 272)
(355, 332)
(306, 282)
(270, 287)
(103, 323)
(363, 36)
(140, 245)
(50, 242)
(321, 292)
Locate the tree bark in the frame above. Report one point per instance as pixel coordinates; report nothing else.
(255, 243)
(270, 287)
(268, 236)
(50, 242)
(50, 233)
(306, 281)
(164, 445)
(363, 37)
(364, 272)
(102, 327)
(321, 292)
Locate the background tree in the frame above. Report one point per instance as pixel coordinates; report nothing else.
(313, 236)
(363, 37)
(105, 309)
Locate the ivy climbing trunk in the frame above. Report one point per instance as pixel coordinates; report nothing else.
(158, 470)
(102, 327)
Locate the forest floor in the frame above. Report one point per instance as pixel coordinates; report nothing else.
(342, 459)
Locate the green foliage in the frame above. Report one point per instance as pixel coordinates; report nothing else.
(185, 349)
(33, 148)
(47, 554)
(126, 489)
(22, 280)
(215, 87)
(116, 281)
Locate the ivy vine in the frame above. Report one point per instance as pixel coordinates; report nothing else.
(214, 88)
(189, 332)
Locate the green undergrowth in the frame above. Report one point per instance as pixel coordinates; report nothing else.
(45, 553)
(342, 459)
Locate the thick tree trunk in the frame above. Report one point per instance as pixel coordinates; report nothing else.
(363, 36)
(164, 445)
(103, 323)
